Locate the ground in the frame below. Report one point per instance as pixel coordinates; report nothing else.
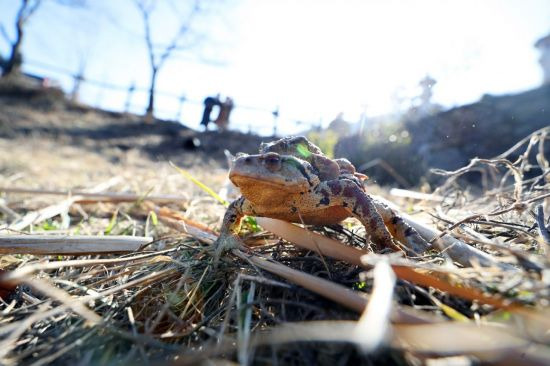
(173, 302)
(52, 144)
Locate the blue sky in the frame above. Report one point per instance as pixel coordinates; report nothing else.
(312, 58)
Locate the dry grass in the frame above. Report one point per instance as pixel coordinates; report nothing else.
(169, 303)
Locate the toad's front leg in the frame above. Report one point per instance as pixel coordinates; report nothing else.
(229, 233)
(346, 193)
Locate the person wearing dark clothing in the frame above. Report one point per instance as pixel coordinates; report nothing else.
(209, 104)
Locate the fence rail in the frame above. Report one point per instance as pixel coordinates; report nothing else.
(169, 105)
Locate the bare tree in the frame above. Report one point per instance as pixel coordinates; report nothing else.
(159, 54)
(11, 65)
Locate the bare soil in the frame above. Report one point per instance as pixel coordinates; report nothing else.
(48, 142)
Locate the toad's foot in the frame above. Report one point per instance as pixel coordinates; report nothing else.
(400, 230)
(229, 236)
(225, 243)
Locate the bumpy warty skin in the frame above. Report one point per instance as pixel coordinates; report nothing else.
(292, 180)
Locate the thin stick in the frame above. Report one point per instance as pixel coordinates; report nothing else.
(338, 293)
(97, 197)
(398, 192)
(543, 230)
(518, 177)
(488, 343)
(59, 208)
(458, 250)
(76, 245)
(328, 289)
(36, 217)
(521, 142)
(26, 270)
(47, 288)
(178, 222)
(8, 342)
(387, 167)
(313, 241)
(522, 257)
(374, 325)
(335, 249)
(12, 215)
(21, 326)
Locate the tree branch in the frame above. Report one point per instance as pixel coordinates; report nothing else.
(28, 11)
(20, 20)
(157, 56)
(184, 28)
(145, 11)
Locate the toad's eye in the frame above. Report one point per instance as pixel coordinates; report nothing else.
(272, 161)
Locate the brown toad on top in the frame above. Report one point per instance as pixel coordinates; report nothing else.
(292, 180)
(302, 148)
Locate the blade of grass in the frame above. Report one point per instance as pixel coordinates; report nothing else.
(200, 184)
(112, 223)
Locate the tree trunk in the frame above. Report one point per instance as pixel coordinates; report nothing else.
(12, 65)
(149, 115)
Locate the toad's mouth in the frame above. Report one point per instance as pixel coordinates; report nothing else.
(240, 179)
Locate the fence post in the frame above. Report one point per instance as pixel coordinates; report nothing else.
(275, 114)
(182, 100)
(131, 90)
(78, 79)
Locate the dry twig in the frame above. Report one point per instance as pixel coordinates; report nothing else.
(544, 230)
(75, 245)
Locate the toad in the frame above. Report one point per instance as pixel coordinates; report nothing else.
(302, 148)
(292, 180)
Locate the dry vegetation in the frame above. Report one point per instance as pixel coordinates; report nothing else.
(274, 302)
